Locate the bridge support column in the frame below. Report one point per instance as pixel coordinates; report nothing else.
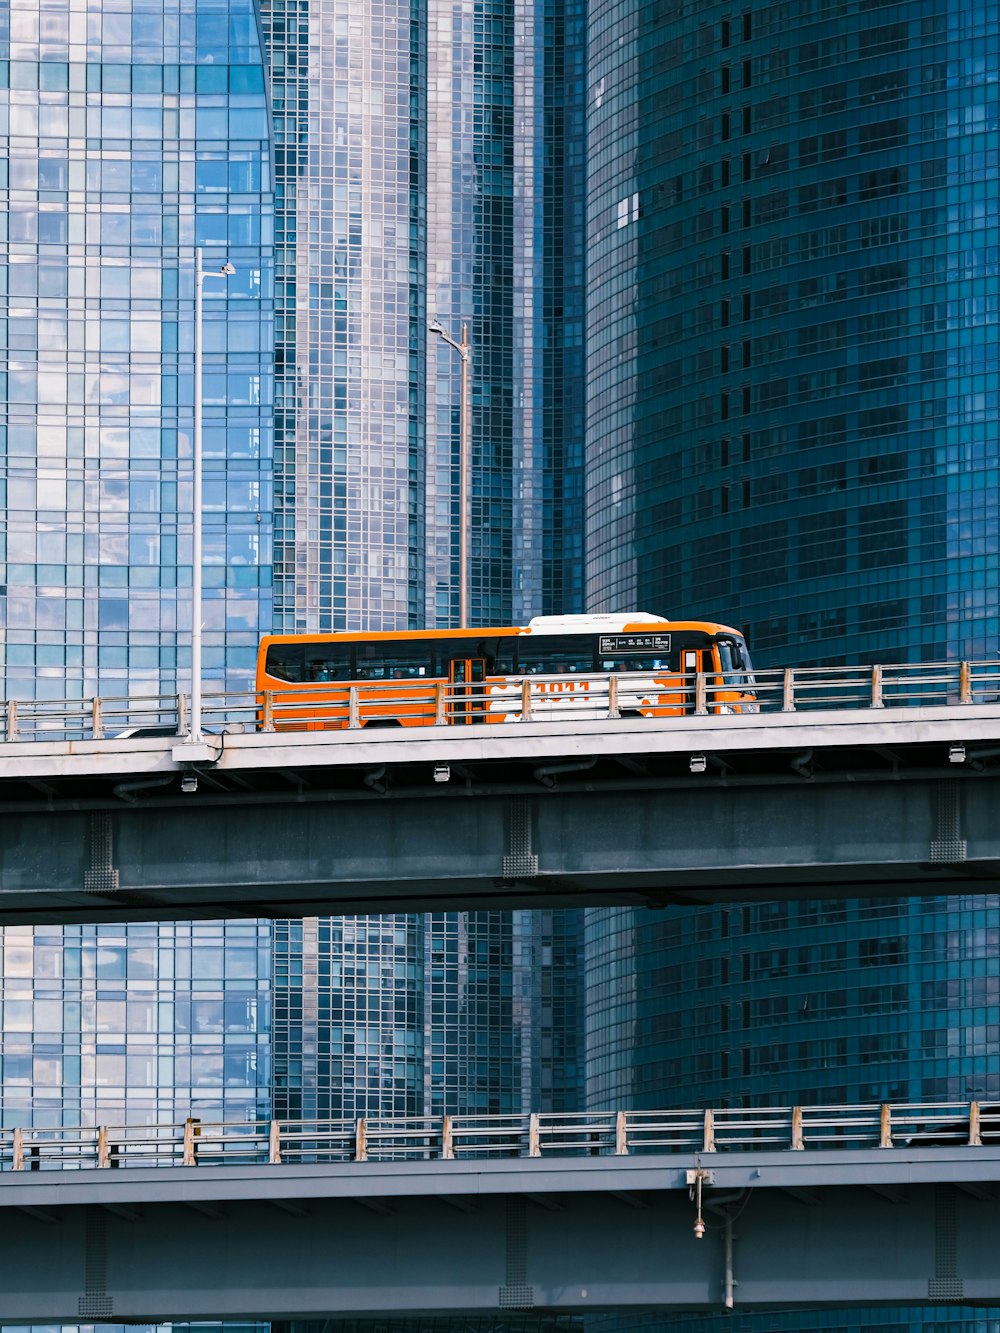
(948, 847)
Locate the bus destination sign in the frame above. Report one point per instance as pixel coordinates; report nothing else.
(634, 643)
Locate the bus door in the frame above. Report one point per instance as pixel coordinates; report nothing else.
(693, 660)
(468, 691)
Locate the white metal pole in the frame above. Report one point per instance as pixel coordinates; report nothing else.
(464, 350)
(465, 446)
(194, 730)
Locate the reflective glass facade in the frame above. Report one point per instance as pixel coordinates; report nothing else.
(130, 137)
(130, 134)
(793, 421)
(137, 1025)
(793, 312)
(560, 417)
(348, 95)
(557, 1013)
(806, 1003)
(403, 1015)
(809, 1003)
(318, 358)
(429, 163)
(504, 255)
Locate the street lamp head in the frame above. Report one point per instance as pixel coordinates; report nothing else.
(435, 326)
(227, 270)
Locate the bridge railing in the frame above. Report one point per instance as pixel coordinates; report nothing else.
(488, 1135)
(199, 1142)
(803, 689)
(313, 1141)
(574, 697)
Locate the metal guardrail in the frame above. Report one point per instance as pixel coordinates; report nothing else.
(446, 1138)
(580, 696)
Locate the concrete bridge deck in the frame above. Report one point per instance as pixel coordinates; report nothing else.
(865, 1227)
(554, 813)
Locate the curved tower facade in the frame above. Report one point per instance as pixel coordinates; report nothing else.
(806, 1003)
(803, 1003)
(793, 292)
(794, 424)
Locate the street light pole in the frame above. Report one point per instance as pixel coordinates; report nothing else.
(464, 350)
(225, 270)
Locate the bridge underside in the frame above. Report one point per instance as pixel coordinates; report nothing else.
(621, 844)
(472, 1256)
(292, 825)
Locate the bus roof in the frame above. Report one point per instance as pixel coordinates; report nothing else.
(634, 622)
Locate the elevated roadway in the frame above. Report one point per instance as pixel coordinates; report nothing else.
(823, 1228)
(554, 812)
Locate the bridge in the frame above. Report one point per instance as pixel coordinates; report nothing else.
(672, 1210)
(859, 783)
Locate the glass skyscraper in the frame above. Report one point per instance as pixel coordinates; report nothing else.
(429, 164)
(136, 135)
(504, 253)
(412, 162)
(348, 89)
(793, 427)
(135, 1025)
(793, 306)
(132, 135)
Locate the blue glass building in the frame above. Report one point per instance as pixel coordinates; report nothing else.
(794, 427)
(128, 141)
(429, 164)
(793, 306)
(137, 1025)
(504, 254)
(136, 133)
(349, 97)
(132, 134)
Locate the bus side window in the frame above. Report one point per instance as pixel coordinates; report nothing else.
(325, 663)
(404, 669)
(285, 662)
(395, 661)
(557, 657)
(634, 662)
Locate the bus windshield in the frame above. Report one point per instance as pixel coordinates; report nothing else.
(735, 661)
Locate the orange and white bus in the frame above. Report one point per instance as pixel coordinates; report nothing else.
(635, 665)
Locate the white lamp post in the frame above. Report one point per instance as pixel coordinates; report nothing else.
(464, 349)
(225, 270)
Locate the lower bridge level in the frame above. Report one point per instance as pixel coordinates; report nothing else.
(667, 1231)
